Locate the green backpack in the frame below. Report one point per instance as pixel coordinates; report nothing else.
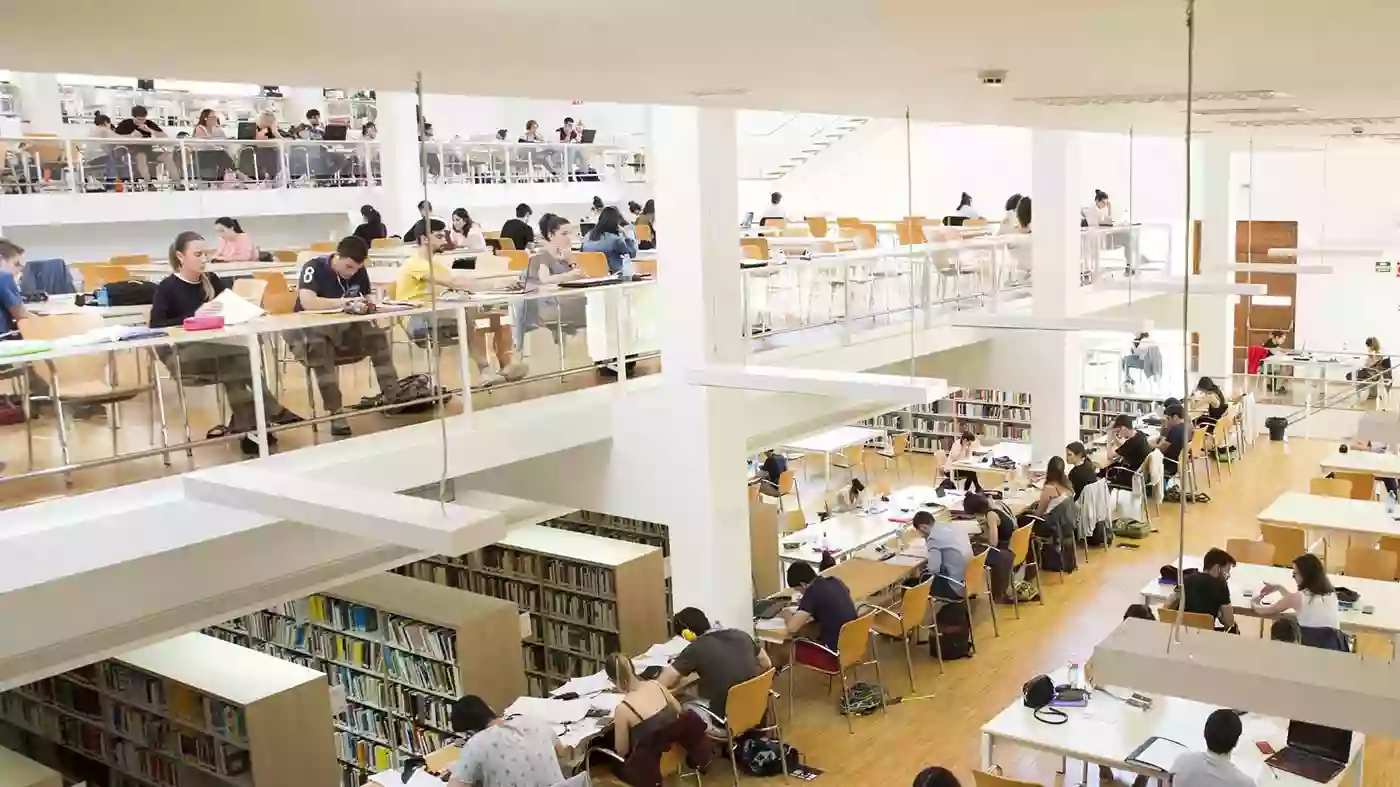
(1131, 528)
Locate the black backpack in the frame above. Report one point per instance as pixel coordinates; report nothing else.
(130, 293)
(954, 633)
(760, 756)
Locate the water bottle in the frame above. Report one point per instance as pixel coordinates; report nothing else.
(626, 267)
(102, 296)
(1075, 676)
(825, 544)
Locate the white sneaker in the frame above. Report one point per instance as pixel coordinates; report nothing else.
(488, 378)
(515, 371)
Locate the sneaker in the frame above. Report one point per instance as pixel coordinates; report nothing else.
(340, 427)
(489, 378)
(515, 371)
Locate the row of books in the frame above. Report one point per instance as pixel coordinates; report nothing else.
(934, 426)
(426, 708)
(591, 579)
(994, 395)
(927, 444)
(419, 740)
(340, 614)
(422, 673)
(354, 775)
(358, 685)
(181, 702)
(588, 611)
(422, 638)
(330, 645)
(569, 665)
(146, 763)
(450, 576)
(503, 559)
(525, 595)
(575, 638)
(1115, 405)
(993, 411)
(362, 752)
(367, 721)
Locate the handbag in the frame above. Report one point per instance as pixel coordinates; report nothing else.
(1038, 693)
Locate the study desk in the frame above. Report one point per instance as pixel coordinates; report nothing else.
(1246, 579)
(1317, 371)
(155, 272)
(1020, 453)
(852, 531)
(1325, 515)
(16, 770)
(111, 315)
(830, 442)
(1108, 730)
(1380, 465)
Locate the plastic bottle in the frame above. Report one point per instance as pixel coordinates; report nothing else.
(102, 296)
(626, 267)
(1075, 676)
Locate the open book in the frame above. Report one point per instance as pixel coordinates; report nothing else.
(236, 309)
(1157, 752)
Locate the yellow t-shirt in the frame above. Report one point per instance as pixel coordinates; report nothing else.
(413, 281)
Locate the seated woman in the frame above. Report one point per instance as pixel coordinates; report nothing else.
(610, 237)
(1057, 488)
(962, 450)
(647, 722)
(1313, 604)
(997, 526)
(190, 291)
(551, 265)
(847, 498)
(235, 245)
(1214, 400)
(1081, 472)
(466, 234)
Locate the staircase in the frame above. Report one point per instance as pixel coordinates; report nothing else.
(773, 144)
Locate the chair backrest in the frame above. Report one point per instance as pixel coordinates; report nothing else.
(794, 232)
(1331, 487)
(853, 640)
(95, 276)
(275, 281)
(384, 243)
(644, 233)
(519, 260)
(281, 301)
(130, 259)
(1020, 544)
(494, 264)
(984, 779)
(1197, 446)
(914, 606)
(1195, 620)
(671, 760)
(899, 443)
(773, 223)
(645, 267)
(88, 367)
(975, 578)
(1371, 563)
(880, 486)
(1363, 485)
(324, 245)
(846, 221)
(940, 460)
(817, 226)
(747, 702)
(854, 454)
(793, 520)
(754, 248)
(866, 237)
(250, 289)
(284, 255)
(1390, 544)
(1248, 550)
(1289, 542)
(910, 231)
(786, 482)
(507, 244)
(592, 263)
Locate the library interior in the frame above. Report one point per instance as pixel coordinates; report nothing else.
(363, 425)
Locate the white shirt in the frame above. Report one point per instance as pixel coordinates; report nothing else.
(968, 212)
(774, 212)
(1098, 217)
(1207, 769)
(1318, 611)
(1009, 224)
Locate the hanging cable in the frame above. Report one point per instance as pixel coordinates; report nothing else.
(434, 337)
(1175, 632)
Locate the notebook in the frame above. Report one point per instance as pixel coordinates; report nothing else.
(1157, 752)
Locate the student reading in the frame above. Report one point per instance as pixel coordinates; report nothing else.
(720, 657)
(1128, 456)
(825, 601)
(331, 282)
(949, 551)
(1208, 591)
(648, 721)
(516, 752)
(1212, 768)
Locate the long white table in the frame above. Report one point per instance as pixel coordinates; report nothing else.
(830, 442)
(1324, 515)
(1020, 453)
(1380, 465)
(1108, 730)
(111, 315)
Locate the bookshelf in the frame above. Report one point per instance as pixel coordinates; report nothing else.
(191, 711)
(1096, 412)
(992, 414)
(401, 651)
(637, 531)
(585, 596)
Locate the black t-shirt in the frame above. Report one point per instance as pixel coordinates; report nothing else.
(1006, 525)
(722, 658)
(177, 299)
(519, 232)
(1134, 451)
(369, 233)
(1205, 594)
(128, 127)
(828, 601)
(318, 276)
(417, 229)
(1081, 475)
(1176, 439)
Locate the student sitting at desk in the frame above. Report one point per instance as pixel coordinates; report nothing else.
(190, 291)
(1128, 455)
(1214, 400)
(997, 523)
(426, 222)
(518, 229)
(719, 657)
(331, 282)
(1173, 439)
(846, 498)
(1208, 591)
(949, 551)
(610, 237)
(552, 264)
(516, 752)
(1081, 472)
(1313, 604)
(466, 234)
(825, 600)
(372, 228)
(647, 722)
(1056, 489)
(963, 450)
(1212, 768)
(417, 278)
(235, 245)
(772, 469)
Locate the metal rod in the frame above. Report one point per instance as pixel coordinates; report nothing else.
(1175, 632)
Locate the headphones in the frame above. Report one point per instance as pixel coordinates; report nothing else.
(688, 635)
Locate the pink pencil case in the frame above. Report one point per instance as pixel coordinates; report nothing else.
(203, 323)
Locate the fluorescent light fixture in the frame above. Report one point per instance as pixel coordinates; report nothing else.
(1271, 300)
(1178, 287)
(1345, 690)
(1030, 322)
(1340, 251)
(1278, 267)
(822, 382)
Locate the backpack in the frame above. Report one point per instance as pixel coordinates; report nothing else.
(1102, 535)
(417, 388)
(1131, 528)
(760, 756)
(861, 700)
(954, 633)
(130, 293)
(1054, 557)
(1025, 591)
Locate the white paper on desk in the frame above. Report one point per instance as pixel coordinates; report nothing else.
(393, 778)
(1161, 754)
(552, 711)
(606, 702)
(578, 733)
(668, 650)
(589, 684)
(770, 624)
(236, 309)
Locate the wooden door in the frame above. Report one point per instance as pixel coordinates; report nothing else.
(1253, 320)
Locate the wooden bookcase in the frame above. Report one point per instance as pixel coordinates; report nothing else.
(1096, 412)
(585, 595)
(992, 414)
(191, 711)
(401, 651)
(637, 531)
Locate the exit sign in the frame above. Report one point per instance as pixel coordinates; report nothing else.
(1383, 266)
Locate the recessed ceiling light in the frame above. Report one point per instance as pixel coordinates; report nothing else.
(723, 92)
(1285, 110)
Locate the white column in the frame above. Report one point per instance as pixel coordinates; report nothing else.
(398, 154)
(693, 168)
(1055, 356)
(1212, 316)
(39, 104)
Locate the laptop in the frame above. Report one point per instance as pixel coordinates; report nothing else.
(766, 608)
(1313, 752)
(335, 132)
(247, 129)
(588, 135)
(747, 222)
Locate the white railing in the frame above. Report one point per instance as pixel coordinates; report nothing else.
(527, 162)
(1315, 379)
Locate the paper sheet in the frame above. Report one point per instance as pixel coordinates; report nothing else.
(1161, 754)
(607, 701)
(590, 684)
(391, 778)
(669, 649)
(236, 309)
(552, 711)
(770, 624)
(575, 734)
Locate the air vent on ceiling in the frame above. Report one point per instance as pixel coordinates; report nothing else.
(1304, 122)
(1218, 111)
(1154, 98)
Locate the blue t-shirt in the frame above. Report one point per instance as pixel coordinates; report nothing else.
(9, 299)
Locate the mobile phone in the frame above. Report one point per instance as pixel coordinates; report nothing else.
(1264, 748)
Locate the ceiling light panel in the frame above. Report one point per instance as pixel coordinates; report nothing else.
(1153, 98)
(1381, 120)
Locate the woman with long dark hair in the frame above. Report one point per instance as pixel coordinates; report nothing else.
(1056, 487)
(466, 234)
(646, 217)
(371, 226)
(1214, 399)
(965, 208)
(235, 245)
(1313, 604)
(609, 237)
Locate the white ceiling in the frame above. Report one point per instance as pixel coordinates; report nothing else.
(873, 57)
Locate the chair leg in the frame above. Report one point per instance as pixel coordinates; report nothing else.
(1015, 597)
(28, 417)
(845, 700)
(792, 668)
(184, 405)
(158, 397)
(992, 605)
(781, 748)
(734, 759)
(909, 660)
(880, 678)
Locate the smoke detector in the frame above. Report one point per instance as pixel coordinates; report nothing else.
(993, 78)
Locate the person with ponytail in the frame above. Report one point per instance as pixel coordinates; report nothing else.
(647, 722)
(235, 245)
(372, 227)
(965, 208)
(188, 291)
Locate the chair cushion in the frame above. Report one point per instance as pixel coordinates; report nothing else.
(809, 654)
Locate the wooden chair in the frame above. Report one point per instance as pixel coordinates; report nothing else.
(851, 647)
(1220, 438)
(91, 378)
(645, 267)
(913, 608)
(250, 290)
(880, 486)
(985, 779)
(1362, 485)
(1289, 542)
(130, 259)
(897, 450)
(385, 243)
(754, 248)
(519, 260)
(1195, 620)
(848, 458)
(284, 255)
(817, 226)
(1330, 487)
(507, 244)
(773, 223)
(1247, 550)
(281, 301)
(794, 520)
(1390, 544)
(1195, 451)
(843, 222)
(977, 582)
(644, 233)
(275, 281)
(1372, 563)
(324, 245)
(748, 707)
(910, 231)
(787, 485)
(593, 263)
(95, 276)
(1022, 547)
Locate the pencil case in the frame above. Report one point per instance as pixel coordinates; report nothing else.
(203, 323)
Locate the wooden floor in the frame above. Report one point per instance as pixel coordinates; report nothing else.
(889, 749)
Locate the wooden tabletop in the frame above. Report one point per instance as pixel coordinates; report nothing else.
(867, 578)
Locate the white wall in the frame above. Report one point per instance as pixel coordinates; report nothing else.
(1344, 196)
(480, 116)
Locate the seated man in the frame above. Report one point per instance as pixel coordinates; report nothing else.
(330, 282)
(949, 551)
(515, 752)
(1212, 768)
(417, 279)
(719, 657)
(1208, 590)
(1131, 451)
(772, 469)
(827, 602)
(1173, 439)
